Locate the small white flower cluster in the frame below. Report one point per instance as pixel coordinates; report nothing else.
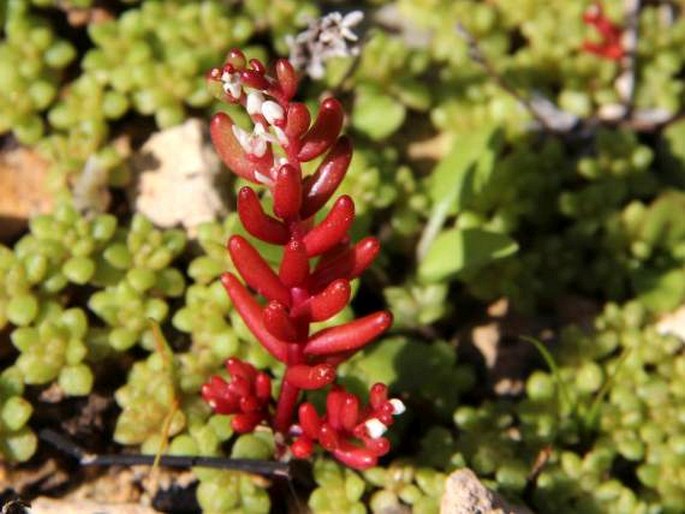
(324, 39)
(256, 143)
(375, 427)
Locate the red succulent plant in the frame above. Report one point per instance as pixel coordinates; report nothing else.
(610, 46)
(299, 292)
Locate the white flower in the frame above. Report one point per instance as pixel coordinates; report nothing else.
(280, 136)
(324, 39)
(255, 100)
(272, 111)
(350, 20)
(261, 131)
(260, 177)
(255, 143)
(397, 406)
(375, 428)
(231, 84)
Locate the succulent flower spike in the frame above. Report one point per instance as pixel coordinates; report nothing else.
(297, 294)
(353, 434)
(610, 47)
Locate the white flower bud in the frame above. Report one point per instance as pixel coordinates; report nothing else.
(254, 102)
(280, 136)
(397, 406)
(375, 428)
(231, 84)
(272, 112)
(242, 137)
(255, 143)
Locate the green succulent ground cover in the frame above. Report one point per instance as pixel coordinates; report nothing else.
(498, 207)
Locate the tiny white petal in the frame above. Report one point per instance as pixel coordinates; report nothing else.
(328, 37)
(352, 18)
(375, 428)
(242, 137)
(348, 34)
(260, 130)
(254, 102)
(272, 112)
(225, 77)
(280, 135)
(258, 146)
(260, 177)
(234, 89)
(397, 406)
(316, 70)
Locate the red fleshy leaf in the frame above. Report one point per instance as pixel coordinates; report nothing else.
(278, 323)
(287, 192)
(244, 423)
(332, 229)
(378, 446)
(349, 336)
(254, 79)
(295, 264)
(236, 58)
(355, 457)
(302, 448)
(287, 78)
(328, 437)
(334, 403)
(310, 377)
(330, 301)
(251, 312)
(378, 395)
(215, 393)
(309, 420)
(385, 418)
(349, 412)
(262, 385)
(324, 131)
(258, 66)
(238, 368)
(348, 264)
(239, 386)
(321, 185)
(256, 272)
(257, 222)
(232, 154)
(249, 404)
(297, 120)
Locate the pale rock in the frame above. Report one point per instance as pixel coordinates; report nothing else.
(465, 494)
(177, 175)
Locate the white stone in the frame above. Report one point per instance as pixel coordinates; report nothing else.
(176, 172)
